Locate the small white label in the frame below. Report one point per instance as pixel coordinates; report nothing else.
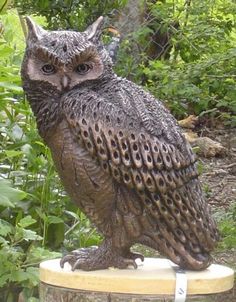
(180, 285)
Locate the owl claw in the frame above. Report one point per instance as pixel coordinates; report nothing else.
(76, 265)
(130, 262)
(135, 256)
(95, 258)
(76, 256)
(65, 259)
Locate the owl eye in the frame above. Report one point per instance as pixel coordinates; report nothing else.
(48, 69)
(83, 68)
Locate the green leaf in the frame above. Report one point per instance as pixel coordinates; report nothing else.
(12, 87)
(6, 51)
(30, 235)
(5, 202)
(26, 221)
(19, 276)
(37, 254)
(5, 228)
(33, 274)
(32, 299)
(73, 214)
(9, 195)
(13, 153)
(4, 279)
(55, 234)
(24, 234)
(17, 132)
(54, 219)
(3, 240)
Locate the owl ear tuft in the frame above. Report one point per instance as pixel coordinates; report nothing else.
(35, 31)
(94, 30)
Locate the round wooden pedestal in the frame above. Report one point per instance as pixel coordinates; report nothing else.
(154, 280)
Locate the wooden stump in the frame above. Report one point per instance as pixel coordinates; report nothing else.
(154, 280)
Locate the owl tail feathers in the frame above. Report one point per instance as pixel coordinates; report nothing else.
(198, 262)
(178, 253)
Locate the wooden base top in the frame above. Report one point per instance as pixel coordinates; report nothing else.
(153, 276)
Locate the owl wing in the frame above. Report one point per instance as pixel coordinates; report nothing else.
(165, 180)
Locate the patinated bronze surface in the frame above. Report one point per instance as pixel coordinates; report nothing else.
(119, 153)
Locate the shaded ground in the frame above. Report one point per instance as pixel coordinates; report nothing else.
(219, 181)
(219, 173)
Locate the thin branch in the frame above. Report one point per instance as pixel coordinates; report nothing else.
(221, 76)
(228, 166)
(3, 6)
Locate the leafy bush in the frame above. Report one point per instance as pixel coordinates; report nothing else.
(19, 253)
(75, 14)
(196, 74)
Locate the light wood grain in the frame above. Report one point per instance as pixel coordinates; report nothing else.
(153, 277)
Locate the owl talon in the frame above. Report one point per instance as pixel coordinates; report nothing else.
(95, 258)
(68, 258)
(76, 254)
(76, 265)
(135, 256)
(130, 262)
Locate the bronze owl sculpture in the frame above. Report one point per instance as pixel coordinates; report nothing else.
(118, 151)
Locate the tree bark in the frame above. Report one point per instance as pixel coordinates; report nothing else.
(49, 293)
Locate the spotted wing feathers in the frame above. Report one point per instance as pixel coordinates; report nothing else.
(165, 181)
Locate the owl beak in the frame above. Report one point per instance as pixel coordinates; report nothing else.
(65, 82)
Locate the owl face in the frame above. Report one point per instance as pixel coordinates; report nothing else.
(63, 59)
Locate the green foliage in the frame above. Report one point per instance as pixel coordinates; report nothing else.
(72, 14)
(9, 196)
(227, 227)
(20, 250)
(197, 74)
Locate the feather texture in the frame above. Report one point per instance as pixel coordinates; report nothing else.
(160, 173)
(119, 153)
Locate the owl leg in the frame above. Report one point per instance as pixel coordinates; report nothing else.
(102, 257)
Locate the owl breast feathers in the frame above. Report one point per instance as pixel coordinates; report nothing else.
(119, 153)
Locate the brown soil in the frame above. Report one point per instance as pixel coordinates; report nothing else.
(219, 182)
(219, 173)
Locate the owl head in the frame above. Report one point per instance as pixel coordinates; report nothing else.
(64, 59)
